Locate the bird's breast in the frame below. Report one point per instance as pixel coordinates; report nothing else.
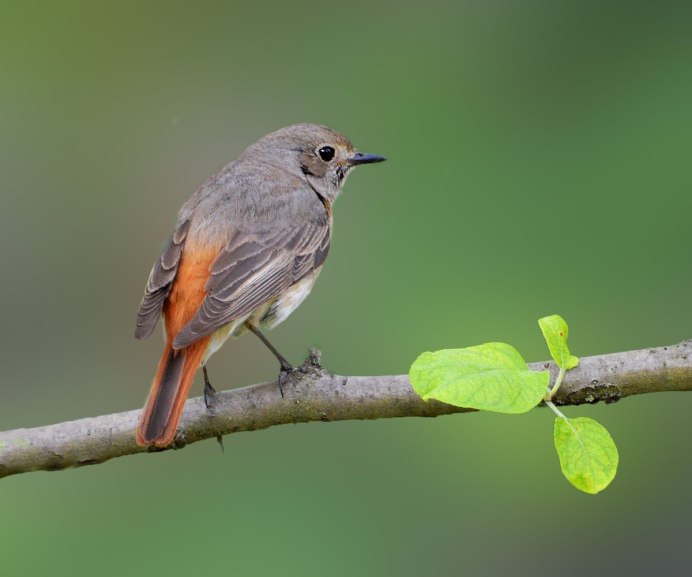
(289, 300)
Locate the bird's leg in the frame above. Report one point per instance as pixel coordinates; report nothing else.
(286, 367)
(209, 399)
(209, 391)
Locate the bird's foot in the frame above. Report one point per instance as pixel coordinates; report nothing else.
(311, 368)
(209, 396)
(287, 369)
(209, 391)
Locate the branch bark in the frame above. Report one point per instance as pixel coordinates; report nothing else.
(312, 394)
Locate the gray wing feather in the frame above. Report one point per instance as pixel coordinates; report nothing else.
(159, 283)
(255, 268)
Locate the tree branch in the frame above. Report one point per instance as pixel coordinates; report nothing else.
(312, 394)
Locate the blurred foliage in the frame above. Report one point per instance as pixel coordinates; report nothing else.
(517, 133)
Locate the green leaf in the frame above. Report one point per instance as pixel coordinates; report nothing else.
(587, 452)
(555, 332)
(490, 377)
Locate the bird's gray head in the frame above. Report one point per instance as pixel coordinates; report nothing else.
(314, 153)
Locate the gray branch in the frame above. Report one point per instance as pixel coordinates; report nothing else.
(312, 394)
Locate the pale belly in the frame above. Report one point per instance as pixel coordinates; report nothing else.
(267, 315)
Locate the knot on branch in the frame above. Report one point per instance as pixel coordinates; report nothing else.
(308, 372)
(593, 393)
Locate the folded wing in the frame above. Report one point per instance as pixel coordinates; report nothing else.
(255, 268)
(160, 281)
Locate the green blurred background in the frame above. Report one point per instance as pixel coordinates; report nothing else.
(539, 163)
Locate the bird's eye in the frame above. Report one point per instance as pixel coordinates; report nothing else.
(326, 153)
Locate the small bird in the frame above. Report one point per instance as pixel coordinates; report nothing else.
(246, 250)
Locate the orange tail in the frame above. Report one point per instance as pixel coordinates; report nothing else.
(173, 379)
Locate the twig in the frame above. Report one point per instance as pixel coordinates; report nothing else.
(312, 394)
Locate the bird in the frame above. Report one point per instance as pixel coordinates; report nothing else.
(245, 252)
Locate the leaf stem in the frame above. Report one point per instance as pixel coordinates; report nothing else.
(555, 410)
(561, 375)
(564, 417)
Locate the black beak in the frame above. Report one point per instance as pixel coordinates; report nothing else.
(363, 158)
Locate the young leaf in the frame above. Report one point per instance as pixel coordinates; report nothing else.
(588, 455)
(555, 330)
(490, 377)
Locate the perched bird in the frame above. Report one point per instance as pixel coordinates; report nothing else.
(246, 250)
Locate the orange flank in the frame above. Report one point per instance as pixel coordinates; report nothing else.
(177, 368)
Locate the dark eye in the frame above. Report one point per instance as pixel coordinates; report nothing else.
(326, 153)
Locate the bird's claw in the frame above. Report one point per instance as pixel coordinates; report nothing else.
(286, 370)
(209, 395)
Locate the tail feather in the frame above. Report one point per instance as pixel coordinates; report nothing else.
(174, 377)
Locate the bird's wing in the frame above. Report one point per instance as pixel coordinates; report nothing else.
(254, 268)
(160, 280)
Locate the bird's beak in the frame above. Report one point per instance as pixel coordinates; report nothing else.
(363, 158)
